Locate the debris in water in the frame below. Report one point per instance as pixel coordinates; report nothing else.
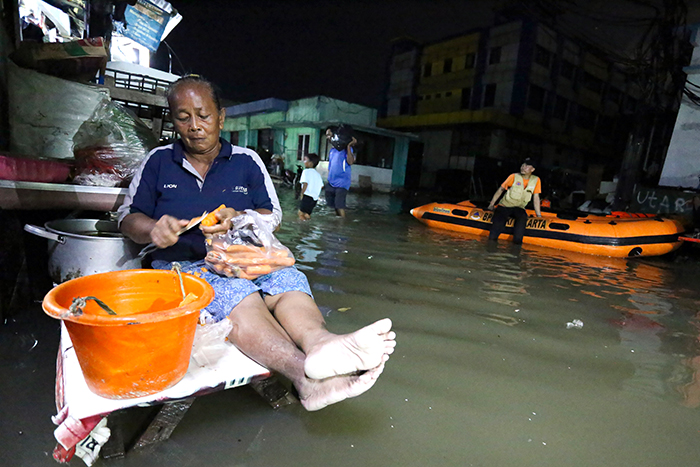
(575, 324)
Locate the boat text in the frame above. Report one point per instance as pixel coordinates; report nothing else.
(535, 223)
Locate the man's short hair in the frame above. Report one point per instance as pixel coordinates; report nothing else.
(214, 90)
(313, 158)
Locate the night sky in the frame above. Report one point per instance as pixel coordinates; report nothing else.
(255, 49)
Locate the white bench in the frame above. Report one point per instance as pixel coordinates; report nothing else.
(81, 428)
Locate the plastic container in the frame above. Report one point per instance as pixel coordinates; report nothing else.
(32, 170)
(145, 348)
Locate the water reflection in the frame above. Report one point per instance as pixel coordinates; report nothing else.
(483, 343)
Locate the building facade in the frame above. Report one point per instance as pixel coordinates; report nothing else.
(291, 129)
(486, 99)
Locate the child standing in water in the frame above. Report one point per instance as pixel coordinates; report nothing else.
(311, 185)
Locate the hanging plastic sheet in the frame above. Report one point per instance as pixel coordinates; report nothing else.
(110, 145)
(45, 112)
(76, 11)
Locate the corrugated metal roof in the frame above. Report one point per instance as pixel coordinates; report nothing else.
(270, 104)
(363, 128)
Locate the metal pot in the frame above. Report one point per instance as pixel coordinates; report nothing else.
(80, 247)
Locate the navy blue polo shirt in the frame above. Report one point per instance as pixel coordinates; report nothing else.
(166, 183)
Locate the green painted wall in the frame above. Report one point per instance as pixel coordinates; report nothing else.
(292, 143)
(341, 111)
(255, 122)
(398, 169)
(311, 115)
(304, 110)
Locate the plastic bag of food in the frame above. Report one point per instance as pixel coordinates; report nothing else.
(109, 147)
(248, 250)
(210, 340)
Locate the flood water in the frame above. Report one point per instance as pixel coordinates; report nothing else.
(486, 370)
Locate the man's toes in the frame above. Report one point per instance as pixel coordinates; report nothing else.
(383, 326)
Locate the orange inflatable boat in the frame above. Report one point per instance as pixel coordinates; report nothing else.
(585, 233)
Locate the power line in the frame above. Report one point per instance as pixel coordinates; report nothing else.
(171, 51)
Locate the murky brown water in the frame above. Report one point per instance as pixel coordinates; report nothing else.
(486, 372)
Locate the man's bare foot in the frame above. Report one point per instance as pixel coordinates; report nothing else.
(363, 349)
(317, 394)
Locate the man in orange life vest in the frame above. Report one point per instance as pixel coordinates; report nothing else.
(520, 188)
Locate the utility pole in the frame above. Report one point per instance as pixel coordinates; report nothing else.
(662, 80)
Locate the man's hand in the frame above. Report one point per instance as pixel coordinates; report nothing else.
(165, 231)
(224, 224)
(490, 207)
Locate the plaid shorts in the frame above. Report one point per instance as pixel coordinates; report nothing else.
(229, 291)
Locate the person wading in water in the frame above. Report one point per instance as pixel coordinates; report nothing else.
(520, 188)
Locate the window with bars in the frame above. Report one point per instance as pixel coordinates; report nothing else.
(585, 117)
(495, 55)
(542, 56)
(303, 146)
(489, 95)
(469, 61)
(405, 105)
(567, 70)
(535, 98)
(466, 98)
(561, 108)
(592, 83)
(447, 65)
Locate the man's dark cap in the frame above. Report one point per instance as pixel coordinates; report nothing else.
(529, 161)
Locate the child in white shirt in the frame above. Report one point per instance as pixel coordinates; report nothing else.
(311, 186)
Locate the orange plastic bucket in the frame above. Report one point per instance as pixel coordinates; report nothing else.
(143, 349)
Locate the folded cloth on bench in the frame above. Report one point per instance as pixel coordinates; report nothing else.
(79, 410)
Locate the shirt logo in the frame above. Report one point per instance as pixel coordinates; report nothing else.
(169, 185)
(240, 189)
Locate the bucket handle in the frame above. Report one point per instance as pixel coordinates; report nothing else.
(76, 307)
(41, 232)
(177, 267)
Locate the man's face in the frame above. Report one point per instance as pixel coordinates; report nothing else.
(526, 169)
(196, 118)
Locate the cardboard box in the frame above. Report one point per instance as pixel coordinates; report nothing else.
(76, 60)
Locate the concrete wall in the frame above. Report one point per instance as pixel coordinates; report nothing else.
(401, 80)
(436, 154)
(380, 178)
(682, 164)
